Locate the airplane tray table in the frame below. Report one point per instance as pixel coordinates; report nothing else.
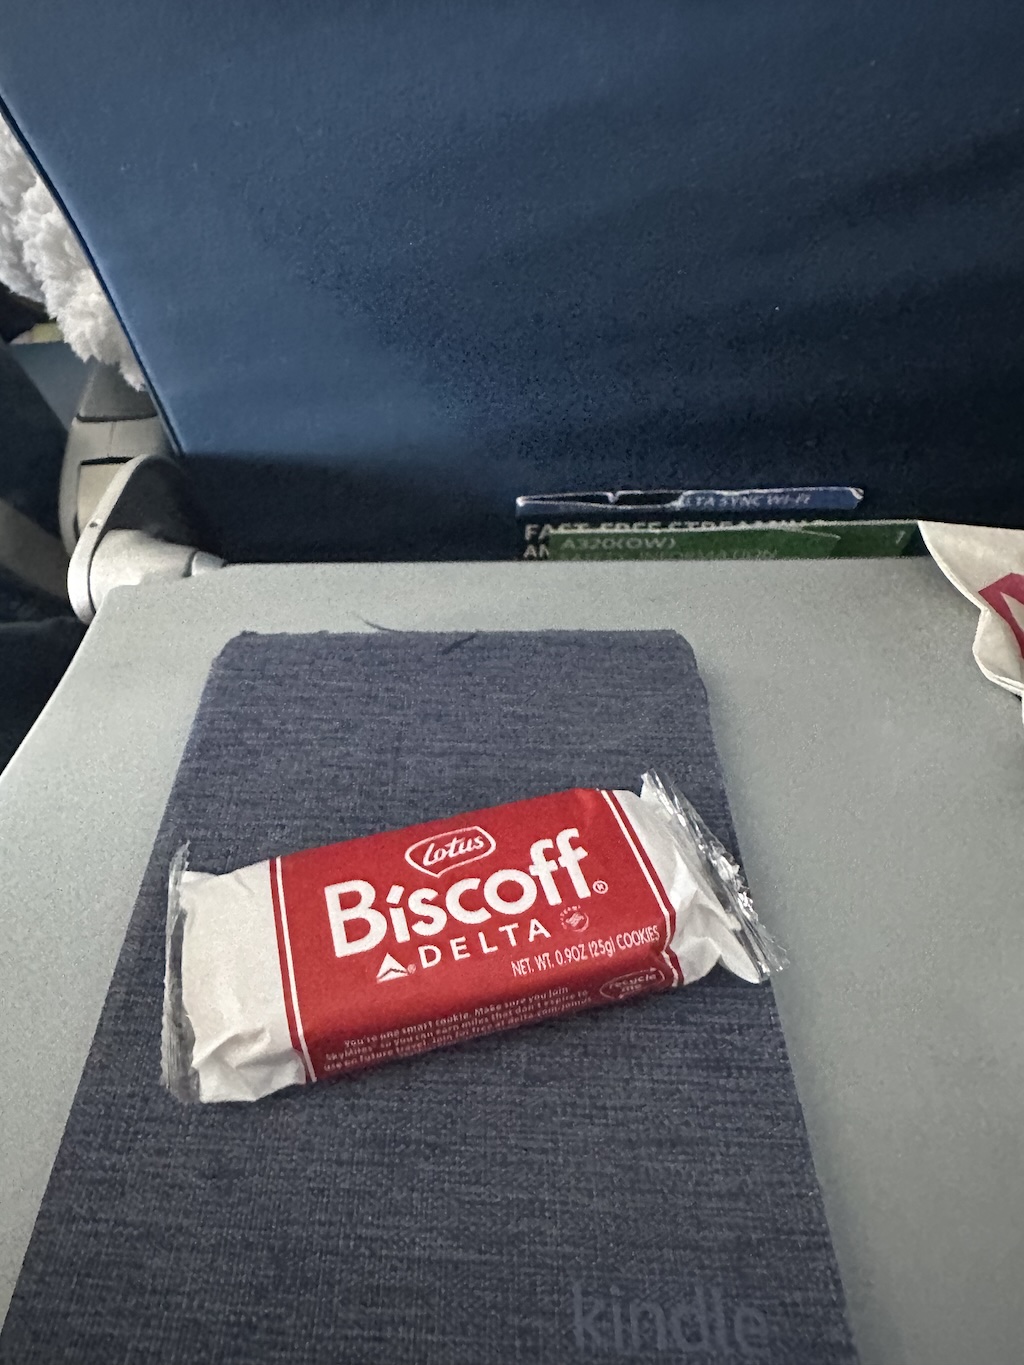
(877, 785)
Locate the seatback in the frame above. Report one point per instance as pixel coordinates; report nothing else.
(389, 263)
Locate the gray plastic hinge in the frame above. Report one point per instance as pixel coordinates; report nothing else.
(146, 526)
(113, 425)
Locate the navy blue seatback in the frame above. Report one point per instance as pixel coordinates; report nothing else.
(389, 263)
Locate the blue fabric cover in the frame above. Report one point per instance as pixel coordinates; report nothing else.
(389, 263)
(630, 1182)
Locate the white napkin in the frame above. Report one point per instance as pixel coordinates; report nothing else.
(987, 564)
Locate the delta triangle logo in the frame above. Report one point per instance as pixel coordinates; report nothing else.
(390, 970)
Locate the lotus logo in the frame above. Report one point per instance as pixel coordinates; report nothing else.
(441, 852)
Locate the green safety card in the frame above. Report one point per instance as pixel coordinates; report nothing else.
(757, 540)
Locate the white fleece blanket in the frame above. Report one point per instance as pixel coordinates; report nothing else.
(41, 259)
